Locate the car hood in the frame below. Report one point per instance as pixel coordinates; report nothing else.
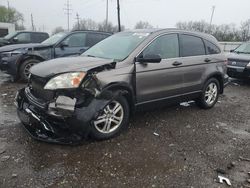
(241, 57)
(53, 67)
(9, 48)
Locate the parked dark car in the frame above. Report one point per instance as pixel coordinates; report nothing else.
(68, 99)
(239, 62)
(23, 37)
(17, 60)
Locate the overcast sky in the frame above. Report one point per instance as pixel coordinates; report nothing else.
(49, 14)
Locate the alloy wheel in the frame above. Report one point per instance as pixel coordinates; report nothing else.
(111, 118)
(211, 93)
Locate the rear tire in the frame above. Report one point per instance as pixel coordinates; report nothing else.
(113, 119)
(210, 94)
(24, 70)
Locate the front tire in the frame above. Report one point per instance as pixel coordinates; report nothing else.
(210, 94)
(24, 70)
(112, 120)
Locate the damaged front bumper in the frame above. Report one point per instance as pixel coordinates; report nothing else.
(63, 120)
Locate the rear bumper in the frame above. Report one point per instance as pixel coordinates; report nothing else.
(61, 126)
(238, 72)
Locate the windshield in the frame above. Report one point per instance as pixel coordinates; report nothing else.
(54, 38)
(243, 48)
(117, 46)
(10, 35)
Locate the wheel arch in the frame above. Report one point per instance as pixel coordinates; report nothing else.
(219, 77)
(26, 57)
(126, 91)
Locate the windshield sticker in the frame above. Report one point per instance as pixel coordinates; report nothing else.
(141, 35)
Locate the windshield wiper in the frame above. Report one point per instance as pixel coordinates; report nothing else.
(91, 56)
(240, 52)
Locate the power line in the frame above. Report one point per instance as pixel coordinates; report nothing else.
(68, 11)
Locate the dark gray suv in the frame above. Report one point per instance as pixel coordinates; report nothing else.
(68, 99)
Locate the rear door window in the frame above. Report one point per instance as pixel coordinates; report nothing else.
(212, 48)
(191, 46)
(167, 46)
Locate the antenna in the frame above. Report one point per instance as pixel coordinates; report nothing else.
(68, 11)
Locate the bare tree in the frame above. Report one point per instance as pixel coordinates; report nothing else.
(86, 24)
(143, 25)
(57, 30)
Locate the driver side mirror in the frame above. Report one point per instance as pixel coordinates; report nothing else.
(149, 58)
(15, 39)
(63, 45)
(231, 51)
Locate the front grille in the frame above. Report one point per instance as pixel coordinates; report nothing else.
(37, 88)
(237, 63)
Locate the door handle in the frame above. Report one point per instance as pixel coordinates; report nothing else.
(177, 63)
(207, 60)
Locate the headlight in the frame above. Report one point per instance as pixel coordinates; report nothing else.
(9, 54)
(248, 65)
(64, 81)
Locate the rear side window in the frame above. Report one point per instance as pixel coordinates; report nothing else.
(191, 46)
(94, 38)
(167, 46)
(212, 48)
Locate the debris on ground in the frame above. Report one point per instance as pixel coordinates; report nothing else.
(236, 84)
(4, 158)
(156, 134)
(5, 94)
(220, 171)
(2, 147)
(231, 165)
(223, 179)
(244, 159)
(14, 175)
(186, 104)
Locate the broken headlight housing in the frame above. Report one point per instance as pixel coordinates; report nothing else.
(65, 81)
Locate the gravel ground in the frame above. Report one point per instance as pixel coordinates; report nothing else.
(180, 146)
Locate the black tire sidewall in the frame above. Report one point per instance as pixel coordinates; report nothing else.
(23, 65)
(95, 134)
(202, 100)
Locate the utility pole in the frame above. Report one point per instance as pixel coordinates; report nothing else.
(68, 11)
(78, 21)
(8, 11)
(32, 23)
(118, 14)
(107, 14)
(211, 19)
